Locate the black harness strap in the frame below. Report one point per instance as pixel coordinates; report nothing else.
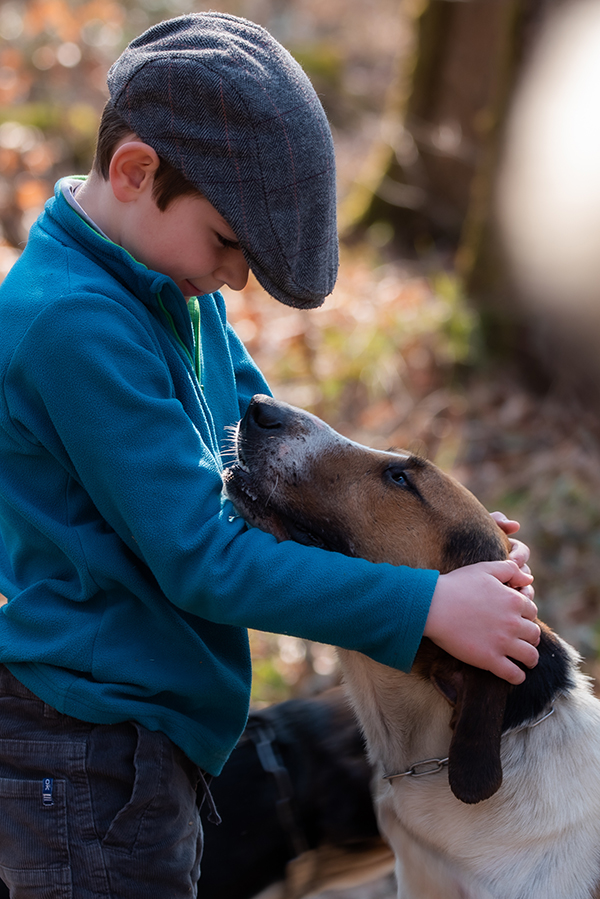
(265, 741)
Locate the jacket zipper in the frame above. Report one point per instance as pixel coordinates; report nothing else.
(194, 310)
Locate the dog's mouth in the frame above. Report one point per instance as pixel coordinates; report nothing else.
(264, 510)
(248, 499)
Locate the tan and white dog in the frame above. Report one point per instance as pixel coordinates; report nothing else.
(508, 804)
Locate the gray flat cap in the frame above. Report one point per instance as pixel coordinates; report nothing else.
(224, 103)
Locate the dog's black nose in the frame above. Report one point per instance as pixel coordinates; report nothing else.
(264, 412)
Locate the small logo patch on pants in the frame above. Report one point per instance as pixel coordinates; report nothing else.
(47, 790)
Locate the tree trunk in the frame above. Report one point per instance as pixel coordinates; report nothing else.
(437, 181)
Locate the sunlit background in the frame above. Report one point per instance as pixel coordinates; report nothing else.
(469, 181)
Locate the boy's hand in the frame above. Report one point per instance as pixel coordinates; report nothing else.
(519, 552)
(478, 618)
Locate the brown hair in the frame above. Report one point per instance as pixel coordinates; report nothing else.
(169, 183)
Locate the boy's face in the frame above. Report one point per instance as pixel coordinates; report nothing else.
(190, 242)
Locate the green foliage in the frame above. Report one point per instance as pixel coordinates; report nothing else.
(322, 62)
(461, 328)
(268, 684)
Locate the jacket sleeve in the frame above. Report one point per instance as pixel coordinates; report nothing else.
(107, 412)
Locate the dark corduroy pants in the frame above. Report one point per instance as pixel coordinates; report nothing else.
(90, 811)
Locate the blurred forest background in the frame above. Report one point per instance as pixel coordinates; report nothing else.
(429, 341)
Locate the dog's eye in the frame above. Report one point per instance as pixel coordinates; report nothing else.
(398, 476)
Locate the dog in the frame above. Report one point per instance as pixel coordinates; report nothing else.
(507, 804)
(296, 806)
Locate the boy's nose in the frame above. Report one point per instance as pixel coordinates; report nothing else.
(234, 272)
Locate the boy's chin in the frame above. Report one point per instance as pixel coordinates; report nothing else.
(189, 290)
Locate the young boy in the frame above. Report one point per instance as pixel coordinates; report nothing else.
(125, 666)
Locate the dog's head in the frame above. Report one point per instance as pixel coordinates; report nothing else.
(299, 479)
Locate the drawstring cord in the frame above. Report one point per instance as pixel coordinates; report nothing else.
(204, 793)
(194, 310)
(194, 313)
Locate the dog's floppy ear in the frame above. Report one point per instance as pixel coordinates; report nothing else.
(479, 701)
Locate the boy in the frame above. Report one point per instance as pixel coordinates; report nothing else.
(125, 666)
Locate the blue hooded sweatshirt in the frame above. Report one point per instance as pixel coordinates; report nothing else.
(130, 580)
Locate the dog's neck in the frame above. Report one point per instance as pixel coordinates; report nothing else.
(425, 767)
(394, 705)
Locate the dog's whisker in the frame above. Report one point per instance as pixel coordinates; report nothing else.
(229, 442)
(272, 491)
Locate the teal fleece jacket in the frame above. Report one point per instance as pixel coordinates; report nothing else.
(130, 580)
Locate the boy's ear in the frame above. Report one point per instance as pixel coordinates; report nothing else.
(132, 170)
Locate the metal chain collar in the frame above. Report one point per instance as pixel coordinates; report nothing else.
(436, 765)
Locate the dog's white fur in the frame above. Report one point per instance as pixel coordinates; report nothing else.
(537, 836)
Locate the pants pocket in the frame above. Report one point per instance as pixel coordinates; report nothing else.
(110, 771)
(154, 843)
(34, 860)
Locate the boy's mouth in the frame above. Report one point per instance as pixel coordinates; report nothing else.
(189, 289)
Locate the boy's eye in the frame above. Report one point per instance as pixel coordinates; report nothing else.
(228, 244)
